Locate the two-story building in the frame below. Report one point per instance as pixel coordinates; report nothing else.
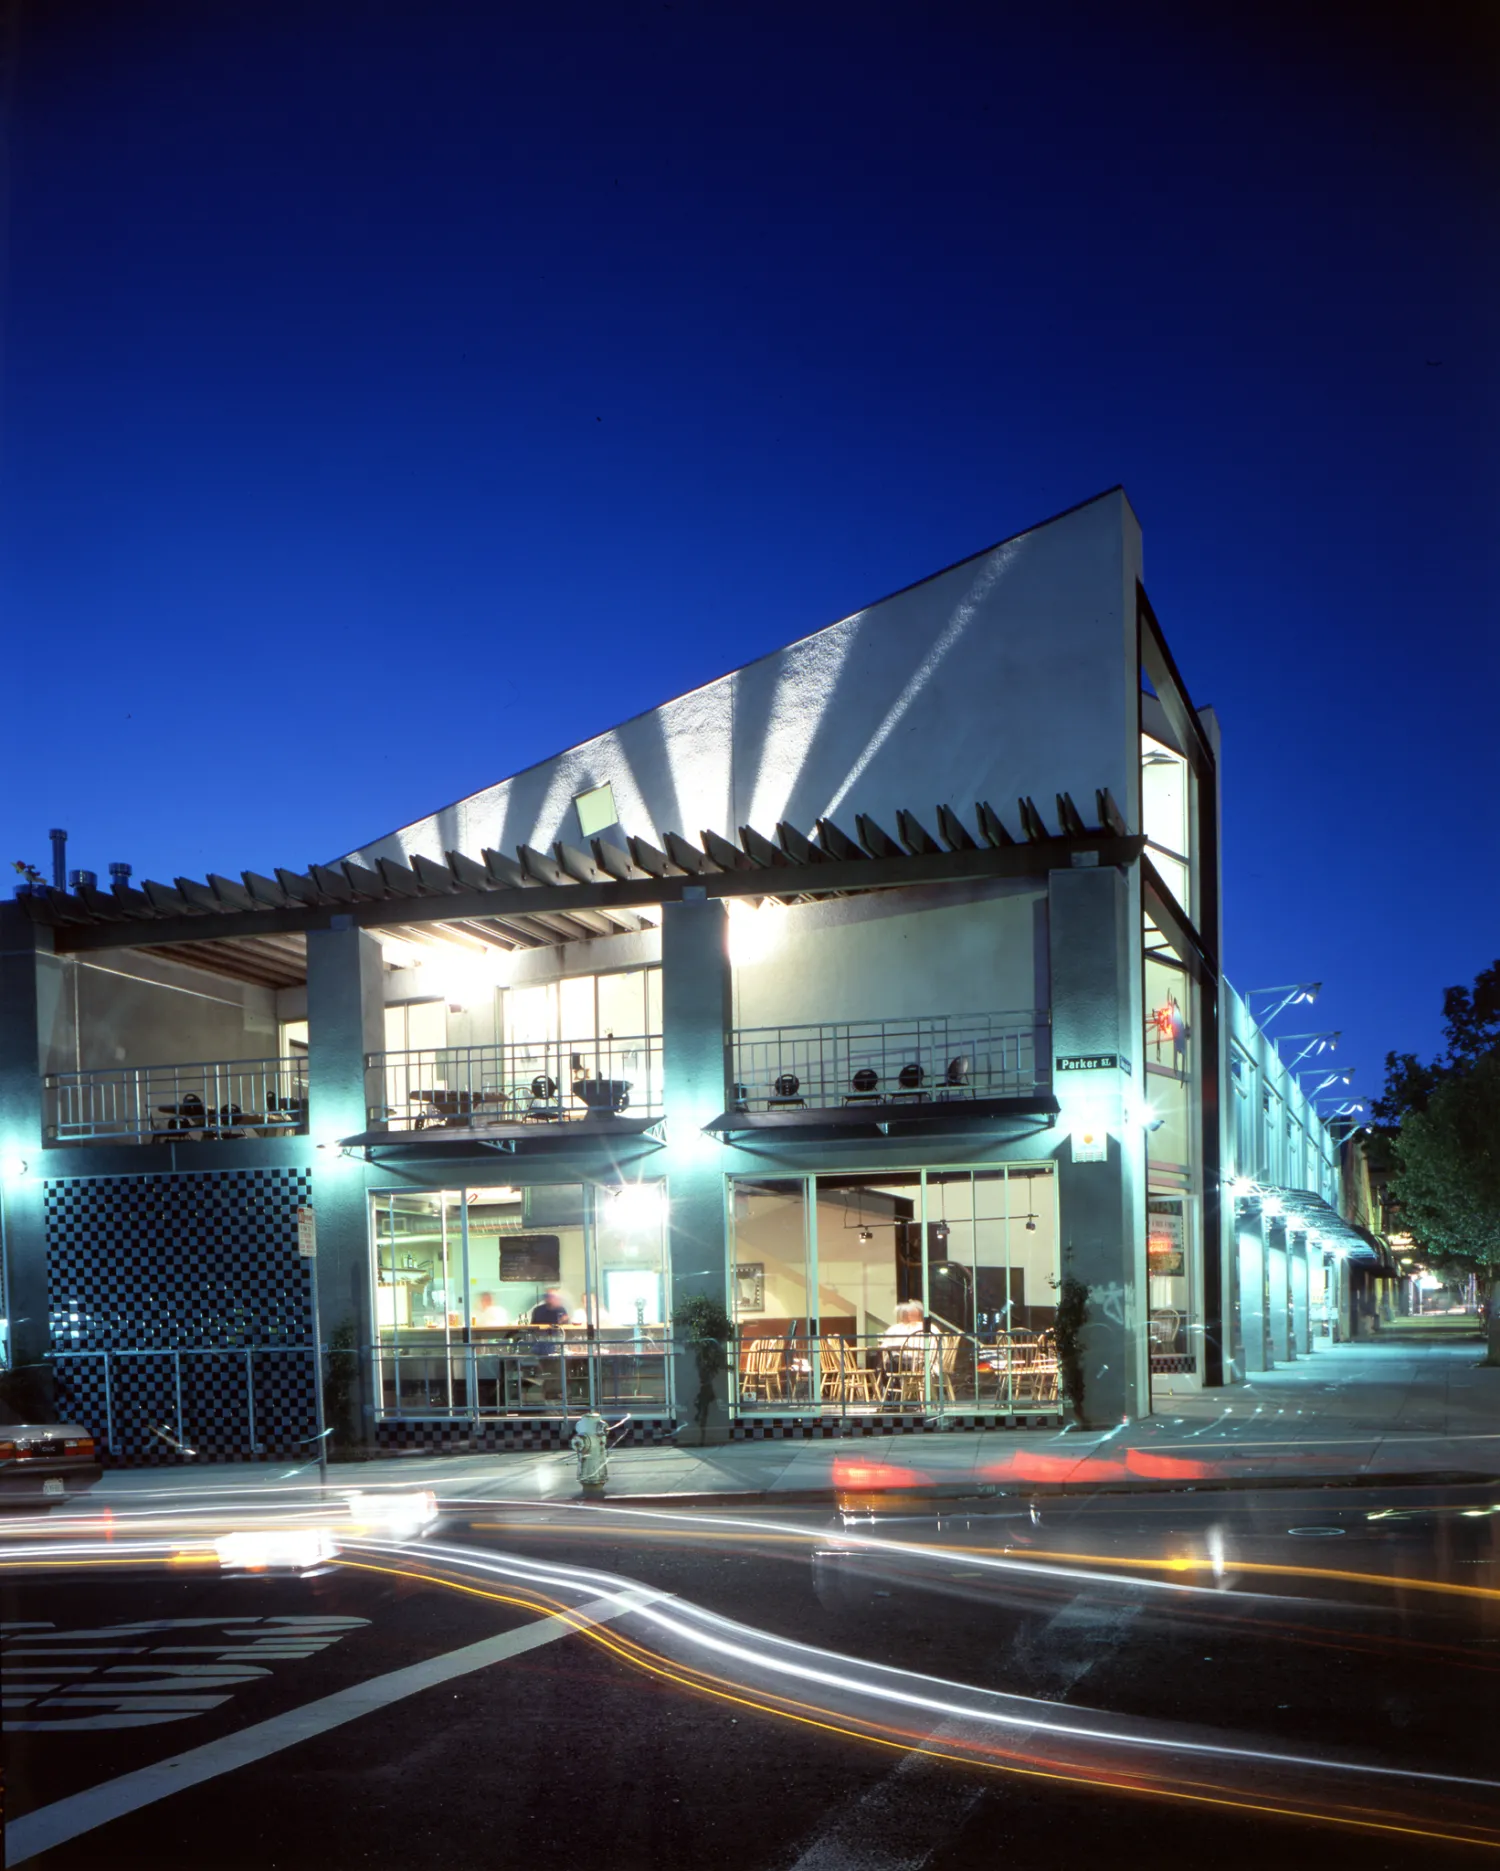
(869, 991)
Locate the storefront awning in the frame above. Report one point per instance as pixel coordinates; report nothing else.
(1305, 1210)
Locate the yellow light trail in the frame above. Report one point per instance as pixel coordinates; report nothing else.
(897, 1740)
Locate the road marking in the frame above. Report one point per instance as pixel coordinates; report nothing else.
(34, 1833)
(150, 1691)
(902, 1821)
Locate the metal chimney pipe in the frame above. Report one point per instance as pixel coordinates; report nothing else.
(59, 860)
(77, 878)
(120, 873)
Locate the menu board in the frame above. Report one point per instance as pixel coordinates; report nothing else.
(534, 1258)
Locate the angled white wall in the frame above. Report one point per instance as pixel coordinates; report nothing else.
(1013, 672)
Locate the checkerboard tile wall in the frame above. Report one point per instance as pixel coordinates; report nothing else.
(495, 1437)
(192, 1270)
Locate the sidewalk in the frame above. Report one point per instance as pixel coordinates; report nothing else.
(1377, 1411)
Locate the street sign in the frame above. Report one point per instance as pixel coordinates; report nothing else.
(1092, 1062)
(307, 1233)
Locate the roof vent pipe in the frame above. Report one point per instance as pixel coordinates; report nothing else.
(77, 879)
(120, 873)
(59, 859)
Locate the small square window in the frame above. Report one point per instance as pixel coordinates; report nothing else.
(596, 810)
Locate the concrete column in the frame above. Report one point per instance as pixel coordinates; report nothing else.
(346, 1022)
(696, 1017)
(1301, 1327)
(1278, 1292)
(24, 1285)
(1251, 1247)
(1102, 1204)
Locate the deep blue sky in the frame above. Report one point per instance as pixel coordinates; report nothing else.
(394, 393)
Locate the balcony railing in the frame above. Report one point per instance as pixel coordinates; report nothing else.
(934, 1058)
(519, 1082)
(178, 1103)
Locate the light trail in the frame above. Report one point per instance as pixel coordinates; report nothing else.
(1033, 1766)
(702, 1652)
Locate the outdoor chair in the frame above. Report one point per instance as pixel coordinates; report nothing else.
(864, 1087)
(910, 1081)
(956, 1079)
(786, 1093)
(1162, 1328)
(544, 1107)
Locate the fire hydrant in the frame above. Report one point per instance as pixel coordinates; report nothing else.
(591, 1445)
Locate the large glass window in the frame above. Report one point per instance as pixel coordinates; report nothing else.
(1174, 1323)
(1166, 816)
(829, 1272)
(494, 1299)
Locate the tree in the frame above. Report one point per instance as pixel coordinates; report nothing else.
(1441, 1126)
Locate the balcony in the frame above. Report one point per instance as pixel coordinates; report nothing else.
(178, 1103)
(608, 1084)
(921, 1070)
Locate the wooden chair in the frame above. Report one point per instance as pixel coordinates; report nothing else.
(1016, 1352)
(844, 1378)
(1037, 1383)
(763, 1372)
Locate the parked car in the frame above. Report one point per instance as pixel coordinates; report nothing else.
(44, 1463)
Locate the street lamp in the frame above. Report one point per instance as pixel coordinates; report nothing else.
(1299, 993)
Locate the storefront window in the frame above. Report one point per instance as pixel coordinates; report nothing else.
(1166, 816)
(826, 1270)
(1174, 1323)
(497, 1299)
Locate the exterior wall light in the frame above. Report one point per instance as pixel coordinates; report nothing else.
(638, 1205)
(1242, 1188)
(13, 1167)
(1271, 1207)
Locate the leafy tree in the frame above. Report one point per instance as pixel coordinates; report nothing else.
(1440, 1128)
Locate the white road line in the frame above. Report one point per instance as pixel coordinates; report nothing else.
(33, 1833)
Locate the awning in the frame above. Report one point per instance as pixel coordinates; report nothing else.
(1303, 1209)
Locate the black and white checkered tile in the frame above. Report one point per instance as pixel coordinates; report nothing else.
(835, 1428)
(495, 1437)
(166, 1280)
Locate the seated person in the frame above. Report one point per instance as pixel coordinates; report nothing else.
(908, 1319)
(897, 1351)
(553, 1309)
(487, 1313)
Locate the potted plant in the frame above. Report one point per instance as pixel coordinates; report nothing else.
(707, 1329)
(1072, 1311)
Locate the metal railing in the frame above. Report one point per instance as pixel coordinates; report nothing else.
(528, 1372)
(934, 1372)
(178, 1103)
(170, 1404)
(933, 1058)
(520, 1081)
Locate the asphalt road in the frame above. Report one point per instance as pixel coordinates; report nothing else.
(1195, 1675)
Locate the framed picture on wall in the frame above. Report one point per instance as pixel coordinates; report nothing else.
(750, 1286)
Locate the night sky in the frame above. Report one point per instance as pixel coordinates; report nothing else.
(396, 393)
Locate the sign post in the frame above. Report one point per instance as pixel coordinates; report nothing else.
(307, 1247)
